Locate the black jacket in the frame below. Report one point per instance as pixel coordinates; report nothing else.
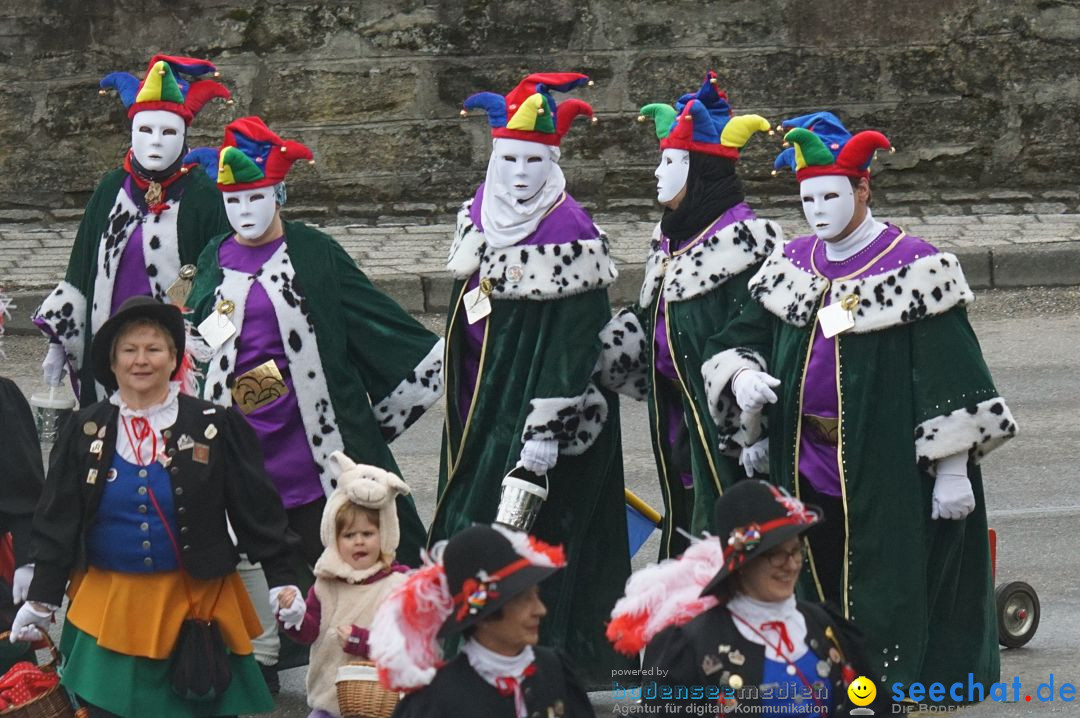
(709, 650)
(234, 480)
(21, 475)
(458, 691)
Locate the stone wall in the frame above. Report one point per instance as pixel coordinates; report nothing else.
(980, 96)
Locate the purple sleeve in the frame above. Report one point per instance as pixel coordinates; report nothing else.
(357, 645)
(309, 628)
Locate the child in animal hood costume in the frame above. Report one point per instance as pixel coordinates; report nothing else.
(880, 408)
(145, 223)
(704, 250)
(480, 584)
(344, 595)
(519, 377)
(318, 358)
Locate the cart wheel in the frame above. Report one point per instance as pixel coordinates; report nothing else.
(1017, 613)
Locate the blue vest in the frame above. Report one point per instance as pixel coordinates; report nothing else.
(128, 535)
(783, 694)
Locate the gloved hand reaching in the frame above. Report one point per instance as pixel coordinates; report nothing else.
(30, 623)
(20, 583)
(755, 458)
(953, 497)
(288, 606)
(540, 455)
(754, 389)
(55, 364)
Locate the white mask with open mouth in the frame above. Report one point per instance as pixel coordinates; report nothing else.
(828, 204)
(251, 211)
(157, 138)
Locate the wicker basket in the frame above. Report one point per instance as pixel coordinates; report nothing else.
(52, 704)
(359, 693)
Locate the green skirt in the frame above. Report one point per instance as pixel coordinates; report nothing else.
(136, 687)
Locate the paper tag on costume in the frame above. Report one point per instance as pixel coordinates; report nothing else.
(178, 291)
(216, 329)
(200, 453)
(91, 476)
(835, 320)
(477, 305)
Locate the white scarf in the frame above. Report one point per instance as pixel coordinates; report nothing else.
(758, 613)
(507, 221)
(867, 231)
(494, 667)
(160, 417)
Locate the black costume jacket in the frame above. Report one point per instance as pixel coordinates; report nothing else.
(233, 480)
(21, 474)
(458, 691)
(709, 652)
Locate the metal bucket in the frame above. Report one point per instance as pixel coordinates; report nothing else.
(521, 500)
(50, 411)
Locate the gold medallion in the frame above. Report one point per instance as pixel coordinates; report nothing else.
(258, 387)
(154, 194)
(89, 428)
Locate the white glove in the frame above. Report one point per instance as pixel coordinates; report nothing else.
(754, 389)
(55, 364)
(953, 497)
(30, 624)
(755, 458)
(539, 455)
(20, 584)
(291, 616)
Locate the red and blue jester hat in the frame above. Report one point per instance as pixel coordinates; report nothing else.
(164, 87)
(821, 145)
(529, 112)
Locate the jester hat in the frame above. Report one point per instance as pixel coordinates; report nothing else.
(529, 112)
(164, 88)
(823, 146)
(251, 156)
(702, 121)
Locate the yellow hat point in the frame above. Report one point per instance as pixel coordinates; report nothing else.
(464, 113)
(592, 84)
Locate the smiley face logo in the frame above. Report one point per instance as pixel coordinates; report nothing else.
(862, 691)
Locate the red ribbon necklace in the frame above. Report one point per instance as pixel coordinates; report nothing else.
(140, 429)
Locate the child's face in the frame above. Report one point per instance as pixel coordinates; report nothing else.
(358, 543)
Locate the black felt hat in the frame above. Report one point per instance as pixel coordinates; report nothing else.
(139, 307)
(486, 566)
(752, 517)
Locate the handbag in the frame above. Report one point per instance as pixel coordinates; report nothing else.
(200, 663)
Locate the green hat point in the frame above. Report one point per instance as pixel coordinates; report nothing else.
(663, 115)
(814, 151)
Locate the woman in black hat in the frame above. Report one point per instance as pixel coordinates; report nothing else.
(485, 587)
(741, 637)
(134, 512)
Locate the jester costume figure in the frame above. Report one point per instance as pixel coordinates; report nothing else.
(145, 224)
(880, 409)
(529, 300)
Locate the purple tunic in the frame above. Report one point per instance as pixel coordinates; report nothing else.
(818, 460)
(566, 222)
(278, 424)
(131, 279)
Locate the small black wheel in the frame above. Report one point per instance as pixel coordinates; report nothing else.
(1017, 613)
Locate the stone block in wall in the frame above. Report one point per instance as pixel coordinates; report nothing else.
(337, 92)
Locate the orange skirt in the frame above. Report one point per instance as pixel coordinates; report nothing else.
(140, 614)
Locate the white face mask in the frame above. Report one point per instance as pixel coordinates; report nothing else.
(828, 204)
(157, 138)
(522, 167)
(251, 211)
(671, 174)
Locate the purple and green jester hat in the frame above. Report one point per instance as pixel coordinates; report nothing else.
(251, 156)
(703, 121)
(529, 112)
(823, 146)
(164, 87)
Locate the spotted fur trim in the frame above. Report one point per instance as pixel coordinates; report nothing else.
(977, 429)
(161, 252)
(542, 271)
(654, 269)
(278, 279)
(736, 428)
(575, 422)
(623, 365)
(63, 316)
(715, 259)
(927, 287)
(413, 396)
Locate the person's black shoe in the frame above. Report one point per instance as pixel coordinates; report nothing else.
(270, 675)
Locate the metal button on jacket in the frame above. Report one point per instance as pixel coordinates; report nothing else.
(148, 561)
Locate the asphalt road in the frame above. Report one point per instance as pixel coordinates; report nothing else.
(1030, 339)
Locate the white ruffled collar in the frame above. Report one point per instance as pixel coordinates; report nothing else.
(160, 417)
(492, 667)
(758, 613)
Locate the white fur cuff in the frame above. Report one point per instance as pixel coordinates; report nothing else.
(736, 428)
(623, 363)
(575, 422)
(413, 396)
(977, 429)
(64, 313)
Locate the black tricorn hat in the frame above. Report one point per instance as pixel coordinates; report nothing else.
(486, 566)
(139, 307)
(752, 517)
